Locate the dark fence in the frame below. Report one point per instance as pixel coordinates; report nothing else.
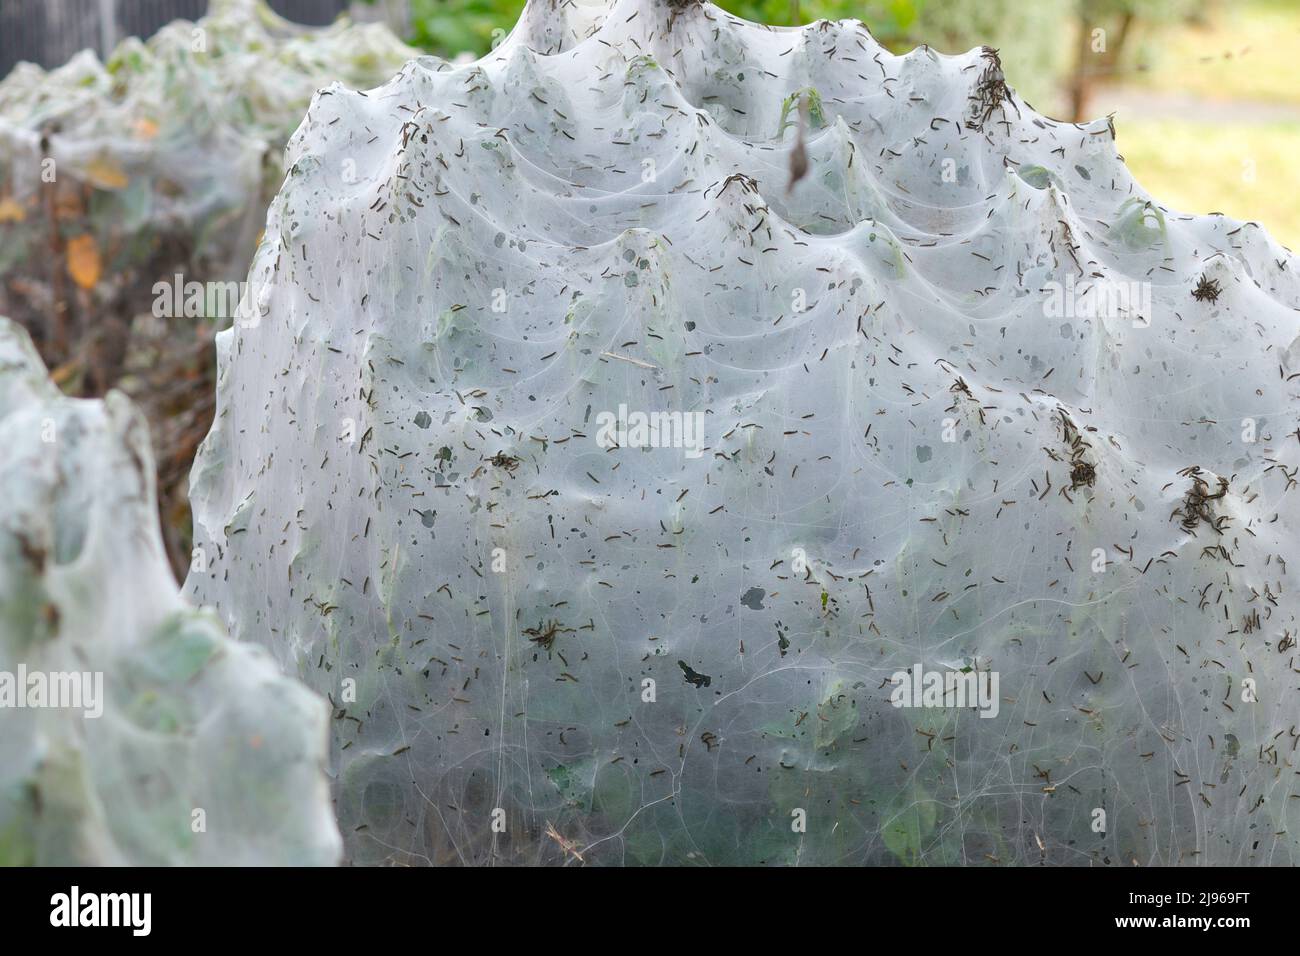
(48, 32)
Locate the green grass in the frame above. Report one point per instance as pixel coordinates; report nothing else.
(1245, 61)
(1202, 167)
(1250, 51)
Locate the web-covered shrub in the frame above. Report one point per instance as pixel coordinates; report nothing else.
(967, 399)
(179, 745)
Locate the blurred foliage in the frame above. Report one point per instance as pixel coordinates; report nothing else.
(449, 27)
